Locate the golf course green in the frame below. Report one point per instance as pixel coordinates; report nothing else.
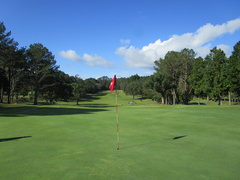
(67, 141)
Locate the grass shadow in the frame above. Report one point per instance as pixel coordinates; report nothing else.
(92, 97)
(153, 142)
(13, 138)
(22, 111)
(96, 105)
(195, 103)
(178, 137)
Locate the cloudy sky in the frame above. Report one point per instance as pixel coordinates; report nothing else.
(96, 38)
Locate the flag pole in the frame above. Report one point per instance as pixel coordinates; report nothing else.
(111, 87)
(118, 146)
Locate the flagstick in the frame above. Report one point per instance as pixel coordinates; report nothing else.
(117, 121)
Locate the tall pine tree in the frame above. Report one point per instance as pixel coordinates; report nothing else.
(41, 63)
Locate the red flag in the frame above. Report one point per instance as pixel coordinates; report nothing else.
(113, 83)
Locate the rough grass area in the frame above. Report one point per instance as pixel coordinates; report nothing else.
(66, 141)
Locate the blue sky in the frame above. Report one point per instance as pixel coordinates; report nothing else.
(95, 38)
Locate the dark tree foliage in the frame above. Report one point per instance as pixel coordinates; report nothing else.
(196, 78)
(186, 65)
(79, 90)
(134, 88)
(91, 85)
(103, 83)
(134, 85)
(56, 86)
(234, 70)
(41, 63)
(172, 74)
(162, 85)
(216, 71)
(12, 63)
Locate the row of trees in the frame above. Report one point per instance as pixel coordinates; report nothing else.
(178, 76)
(34, 69)
(181, 75)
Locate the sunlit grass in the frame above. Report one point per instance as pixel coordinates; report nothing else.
(66, 141)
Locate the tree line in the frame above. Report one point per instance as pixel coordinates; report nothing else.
(33, 71)
(178, 77)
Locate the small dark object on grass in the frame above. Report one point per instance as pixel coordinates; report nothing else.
(14, 138)
(178, 137)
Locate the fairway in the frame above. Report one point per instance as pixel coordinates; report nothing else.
(66, 141)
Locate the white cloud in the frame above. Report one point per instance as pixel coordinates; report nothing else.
(90, 60)
(70, 54)
(199, 41)
(96, 60)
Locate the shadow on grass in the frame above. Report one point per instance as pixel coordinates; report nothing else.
(95, 105)
(154, 142)
(178, 137)
(195, 103)
(13, 138)
(44, 111)
(92, 97)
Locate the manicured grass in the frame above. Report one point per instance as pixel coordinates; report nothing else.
(157, 142)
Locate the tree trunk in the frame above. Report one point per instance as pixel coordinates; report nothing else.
(207, 100)
(219, 100)
(9, 98)
(1, 95)
(10, 92)
(174, 97)
(229, 97)
(162, 100)
(35, 96)
(9, 88)
(17, 98)
(12, 89)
